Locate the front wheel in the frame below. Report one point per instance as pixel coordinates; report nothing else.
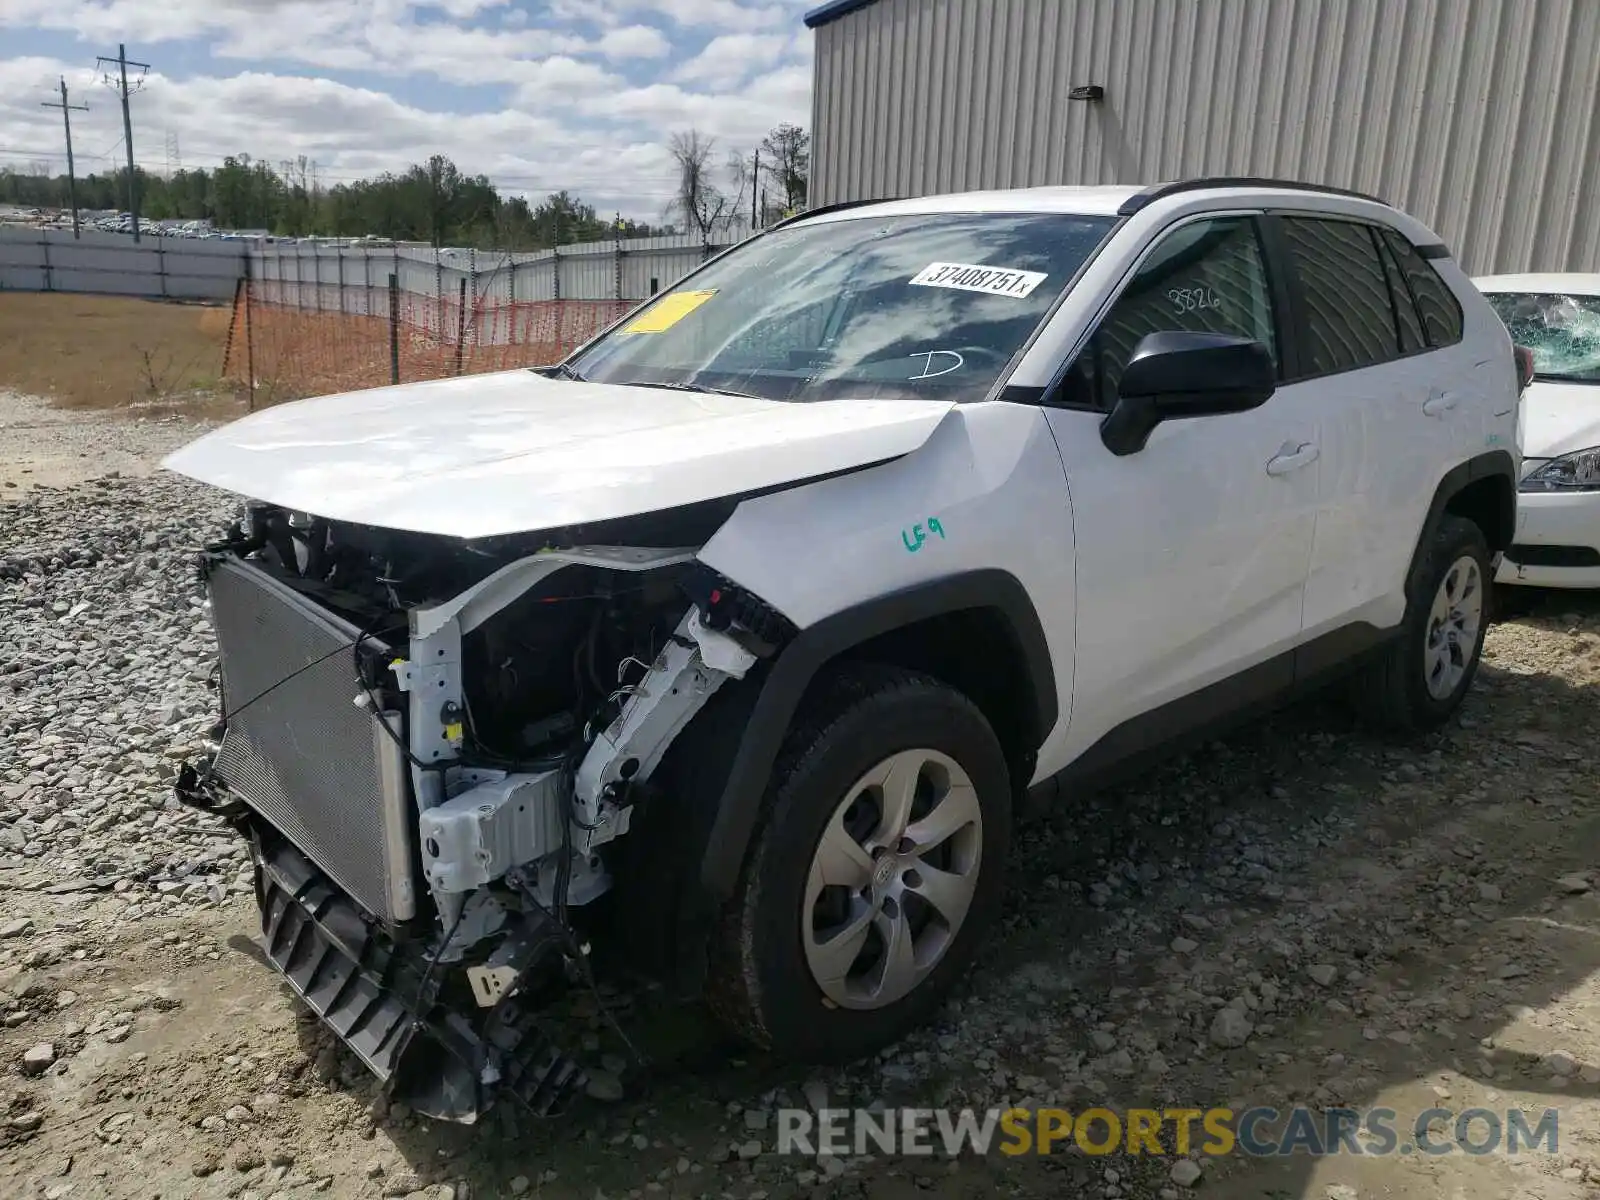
(874, 873)
(1422, 677)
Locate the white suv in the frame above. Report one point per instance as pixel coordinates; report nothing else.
(734, 643)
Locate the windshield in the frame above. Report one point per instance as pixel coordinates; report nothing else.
(931, 306)
(1562, 331)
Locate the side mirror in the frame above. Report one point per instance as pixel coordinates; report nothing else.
(1177, 374)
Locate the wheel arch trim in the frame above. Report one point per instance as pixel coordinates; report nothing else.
(816, 645)
(1488, 465)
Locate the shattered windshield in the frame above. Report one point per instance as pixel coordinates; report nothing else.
(929, 306)
(1562, 331)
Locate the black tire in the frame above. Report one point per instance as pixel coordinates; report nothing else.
(1392, 693)
(859, 715)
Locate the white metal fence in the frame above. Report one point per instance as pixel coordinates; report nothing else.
(326, 277)
(49, 260)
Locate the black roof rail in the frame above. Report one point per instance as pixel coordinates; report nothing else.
(840, 206)
(1162, 190)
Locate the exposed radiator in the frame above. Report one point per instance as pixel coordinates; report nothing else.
(299, 750)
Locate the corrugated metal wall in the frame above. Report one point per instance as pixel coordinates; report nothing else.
(1478, 116)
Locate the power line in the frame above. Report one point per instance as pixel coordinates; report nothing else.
(120, 83)
(47, 156)
(67, 109)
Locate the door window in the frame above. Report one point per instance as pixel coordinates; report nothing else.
(1441, 311)
(1350, 316)
(1406, 315)
(1207, 276)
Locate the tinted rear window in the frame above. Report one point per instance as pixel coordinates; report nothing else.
(1441, 313)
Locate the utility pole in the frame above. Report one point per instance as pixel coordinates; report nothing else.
(616, 228)
(120, 83)
(755, 189)
(66, 120)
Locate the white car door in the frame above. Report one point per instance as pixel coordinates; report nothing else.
(1192, 553)
(1399, 406)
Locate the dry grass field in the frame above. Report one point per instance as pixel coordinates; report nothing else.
(111, 352)
(125, 355)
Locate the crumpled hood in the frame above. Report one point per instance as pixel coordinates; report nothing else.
(1558, 418)
(513, 451)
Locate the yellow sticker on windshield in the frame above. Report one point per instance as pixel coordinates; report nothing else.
(668, 311)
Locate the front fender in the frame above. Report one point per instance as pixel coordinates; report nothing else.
(977, 517)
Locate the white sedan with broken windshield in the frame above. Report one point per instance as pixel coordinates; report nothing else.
(1557, 317)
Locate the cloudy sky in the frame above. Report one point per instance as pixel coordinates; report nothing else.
(537, 94)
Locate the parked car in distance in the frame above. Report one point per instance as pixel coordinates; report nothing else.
(1557, 318)
(737, 641)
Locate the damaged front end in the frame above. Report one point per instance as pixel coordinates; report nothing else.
(431, 746)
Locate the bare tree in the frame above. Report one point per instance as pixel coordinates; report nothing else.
(742, 183)
(699, 200)
(788, 149)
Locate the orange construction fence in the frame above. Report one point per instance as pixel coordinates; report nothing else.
(278, 352)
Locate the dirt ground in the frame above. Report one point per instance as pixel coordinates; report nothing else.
(1404, 925)
(109, 352)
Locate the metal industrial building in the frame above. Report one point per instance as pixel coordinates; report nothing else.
(1481, 117)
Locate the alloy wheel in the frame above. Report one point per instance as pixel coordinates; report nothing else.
(1453, 623)
(891, 879)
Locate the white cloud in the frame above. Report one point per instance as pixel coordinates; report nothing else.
(715, 14)
(145, 21)
(634, 41)
(588, 92)
(668, 106)
(578, 12)
(454, 53)
(466, 9)
(733, 57)
(562, 80)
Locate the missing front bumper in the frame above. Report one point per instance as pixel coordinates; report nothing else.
(379, 996)
(377, 993)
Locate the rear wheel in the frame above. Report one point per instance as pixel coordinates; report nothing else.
(1422, 677)
(875, 871)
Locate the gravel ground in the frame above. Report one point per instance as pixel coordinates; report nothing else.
(1299, 914)
(42, 446)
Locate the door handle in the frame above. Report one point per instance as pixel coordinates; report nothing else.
(1288, 460)
(1440, 403)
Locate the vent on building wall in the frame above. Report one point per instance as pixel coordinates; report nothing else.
(1091, 91)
